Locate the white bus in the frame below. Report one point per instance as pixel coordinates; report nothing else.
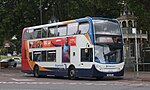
(85, 47)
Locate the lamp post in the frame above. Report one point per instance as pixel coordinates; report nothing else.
(53, 18)
(136, 54)
(14, 38)
(41, 19)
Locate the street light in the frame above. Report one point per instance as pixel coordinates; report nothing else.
(136, 54)
(14, 38)
(41, 12)
(53, 18)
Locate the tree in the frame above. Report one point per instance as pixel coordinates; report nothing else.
(142, 11)
(17, 14)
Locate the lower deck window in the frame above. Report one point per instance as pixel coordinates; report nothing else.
(37, 56)
(44, 56)
(51, 56)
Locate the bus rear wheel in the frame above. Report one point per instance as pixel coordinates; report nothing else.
(36, 71)
(72, 73)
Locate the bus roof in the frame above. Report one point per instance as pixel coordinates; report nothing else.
(69, 21)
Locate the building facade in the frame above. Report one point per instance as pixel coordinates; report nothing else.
(129, 22)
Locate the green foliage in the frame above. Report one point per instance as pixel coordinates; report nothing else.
(17, 14)
(142, 11)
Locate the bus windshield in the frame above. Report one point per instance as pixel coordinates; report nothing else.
(108, 42)
(107, 31)
(104, 54)
(107, 27)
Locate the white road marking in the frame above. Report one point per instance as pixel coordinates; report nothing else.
(7, 74)
(71, 83)
(100, 84)
(88, 83)
(139, 84)
(14, 79)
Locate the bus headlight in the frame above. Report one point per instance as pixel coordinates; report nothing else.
(98, 67)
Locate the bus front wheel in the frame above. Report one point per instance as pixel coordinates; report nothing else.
(36, 71)
(72, 73)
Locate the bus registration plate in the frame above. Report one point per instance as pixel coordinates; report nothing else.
(110, 74)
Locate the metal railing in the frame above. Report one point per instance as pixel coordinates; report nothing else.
(137, 69)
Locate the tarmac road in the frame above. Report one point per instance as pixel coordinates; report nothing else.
(14, 79)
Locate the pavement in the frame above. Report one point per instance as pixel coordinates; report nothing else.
(141, 75)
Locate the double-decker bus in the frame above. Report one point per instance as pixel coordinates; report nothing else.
(85, 47)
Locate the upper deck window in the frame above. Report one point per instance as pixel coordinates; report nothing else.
(62, 30)
(72, 28)
(37, 33)
(52, 31)
(44, 32)
(107, 27)
(83, 27)
(28, 34)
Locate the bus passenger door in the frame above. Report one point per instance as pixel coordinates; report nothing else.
(86, 55)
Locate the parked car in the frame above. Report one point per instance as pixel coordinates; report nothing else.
(17, 59)
(8, 62)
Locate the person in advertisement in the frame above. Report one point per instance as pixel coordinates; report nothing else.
(65, 49)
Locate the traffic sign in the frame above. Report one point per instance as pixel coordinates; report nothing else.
(6, 44)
